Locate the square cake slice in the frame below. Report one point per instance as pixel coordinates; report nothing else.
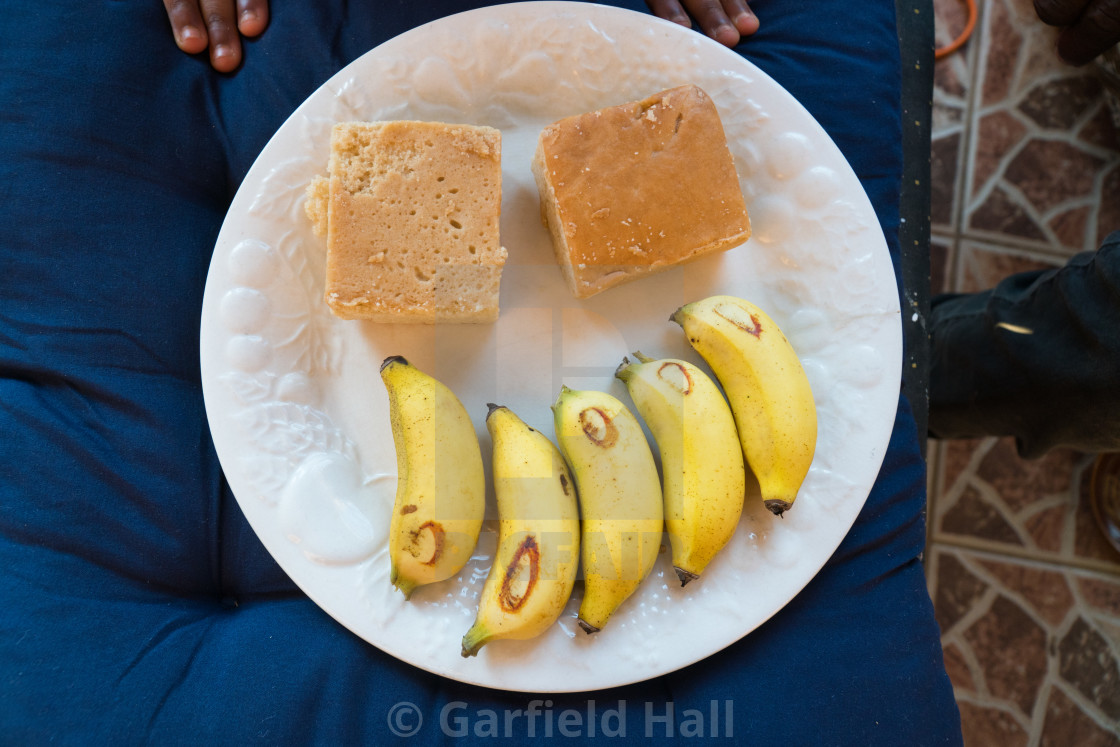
(638, 188)
(412, 217)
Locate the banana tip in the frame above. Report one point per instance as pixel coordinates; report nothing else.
(393, 359)
(623, 373)
(564, 389)
(685, 576)
(777, 506)
(403, 585)
(587, 627)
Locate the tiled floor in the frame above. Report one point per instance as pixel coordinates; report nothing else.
(1026, 172)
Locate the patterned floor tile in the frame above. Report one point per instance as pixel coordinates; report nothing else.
(1025, 167)
(990, 498)
(1033, 651)
(1041, 138)
(950, 108)
(982, 266)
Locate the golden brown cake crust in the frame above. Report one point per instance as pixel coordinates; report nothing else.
(412, 221)
(639, 188)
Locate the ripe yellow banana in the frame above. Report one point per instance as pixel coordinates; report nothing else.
(538, 535)
(441, 489)
(766, 387)
(701, 460)
(619, 498)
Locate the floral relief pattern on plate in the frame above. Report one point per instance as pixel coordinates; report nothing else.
(300, 417)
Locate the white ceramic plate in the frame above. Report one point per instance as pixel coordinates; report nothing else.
(300, 417)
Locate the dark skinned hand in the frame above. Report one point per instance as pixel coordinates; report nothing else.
(218, 25)
(1089, 27)
(726, 21)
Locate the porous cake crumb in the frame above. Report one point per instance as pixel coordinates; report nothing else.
(411, 213)
(638, 188)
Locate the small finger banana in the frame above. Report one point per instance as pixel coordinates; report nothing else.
(535, 565)
(766, 387)
(619, 497)
(441, 489)
(701, 460)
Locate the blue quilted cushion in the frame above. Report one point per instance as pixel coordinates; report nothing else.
(136, 604)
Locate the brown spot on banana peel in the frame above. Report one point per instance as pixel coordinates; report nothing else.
(755, 328)
(409, 509)
(598, 427)
(506, 598)
(437, 540)
(564, 483)
(676, 376)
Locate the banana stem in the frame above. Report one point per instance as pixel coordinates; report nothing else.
(625, 370)
(473, 641)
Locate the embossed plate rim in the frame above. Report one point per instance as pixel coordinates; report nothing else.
(309, 405)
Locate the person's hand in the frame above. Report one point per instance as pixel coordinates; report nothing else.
(1089, 27)
(217, 25)
(726, 21)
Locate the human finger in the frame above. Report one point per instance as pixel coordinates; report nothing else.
(723, 20)
(713, 20)
(225, 40)
(187, 25)
(1059, 12)
(740, 13)
(252, 17)
(670, 10)
(1096, 31)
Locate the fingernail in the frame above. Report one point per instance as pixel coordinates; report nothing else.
(746, 21)
(221, 51)
(190, 33)
(725, 34)
(248, 16)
